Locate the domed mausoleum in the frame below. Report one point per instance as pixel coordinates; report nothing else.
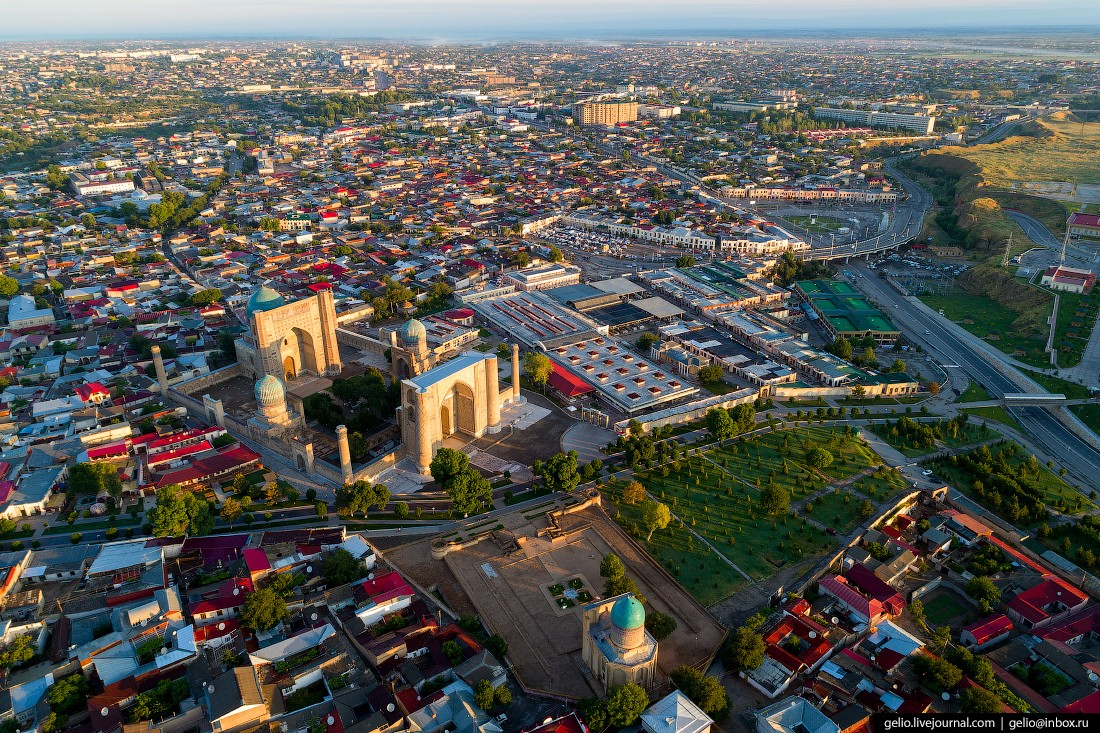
(264, 299)
(271, 400)
(615, 644)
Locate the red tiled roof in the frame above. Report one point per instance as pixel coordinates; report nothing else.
(989, 628)
(1032, 603)
(256, 560)
(567, 383)
(1087, 220)
(838, 586)
(876, 588)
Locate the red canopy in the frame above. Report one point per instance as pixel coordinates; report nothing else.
(567, 383)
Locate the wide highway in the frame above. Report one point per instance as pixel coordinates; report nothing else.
(931, 331)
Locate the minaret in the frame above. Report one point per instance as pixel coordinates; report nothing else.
(515, 373)
(345, 452)
(492, 394)
(162, 376)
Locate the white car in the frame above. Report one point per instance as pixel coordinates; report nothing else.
(926, 472)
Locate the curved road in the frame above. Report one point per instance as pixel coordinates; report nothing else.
(931, 331)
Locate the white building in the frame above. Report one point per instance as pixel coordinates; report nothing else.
(922, 124)
(24, 313)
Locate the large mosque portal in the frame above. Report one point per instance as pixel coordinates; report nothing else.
(306, 352)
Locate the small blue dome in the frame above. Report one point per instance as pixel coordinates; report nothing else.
(269, 391)
(264, 299)
(413, 331)
(628, 613)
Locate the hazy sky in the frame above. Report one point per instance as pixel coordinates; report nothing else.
(444, 19)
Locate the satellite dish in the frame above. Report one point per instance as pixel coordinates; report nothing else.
(835, 620)
(309, 568)
(210, 689)
(332, 720)
(313, 617)
(104, 712)
(1093, 677)
(812, 635)
(945, 696)
(164, 650)
(370, 576)
(221, 626)
(390, 708)
(236, 591)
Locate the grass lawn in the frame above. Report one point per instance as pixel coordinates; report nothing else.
(727, 513)
(719, 388)
(87, 526)
(1076, 318)
(942, 609)
(1055, 385)
(707, 577)
(838, 509)
(1054, 489)
(826, 224)
(882, 484)
(989, 320)
(998, 414)
(972, 433)
(1068, 152)
(975, 393)
(1089, 414)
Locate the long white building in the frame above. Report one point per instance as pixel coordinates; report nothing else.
(922, 124)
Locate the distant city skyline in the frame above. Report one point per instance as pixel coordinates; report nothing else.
(520, 19)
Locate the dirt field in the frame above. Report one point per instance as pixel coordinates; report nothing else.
(509, 594)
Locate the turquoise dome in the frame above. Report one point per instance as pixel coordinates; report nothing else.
(628, 613)
(413, 331)
(264, 299)
(269, 391)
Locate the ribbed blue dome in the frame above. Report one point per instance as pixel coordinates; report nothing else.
(628, 613)
(413, 331)
(264, 299)
(269, 391)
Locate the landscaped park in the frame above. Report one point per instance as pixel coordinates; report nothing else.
(736, 501)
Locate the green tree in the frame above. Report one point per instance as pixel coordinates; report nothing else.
(360, 496)
(842, 348)
(231, 510)
(320, 509)
(483, 694)
(720, 424)
(866, 508)
(94, 479)
(979, 701)
(502, 696)
(937, 674)
(594, 713)
(660, 625)
(985, 592)
(555, 255)
(775, 500)
(744, 648)
(497, 646)
(180, 513)
(20, 651)
(648, 339)
(205, 297)
(68, 694)
(819, 458)
(706, 692)
(560, 472)
(538, 367)
(263, 610)
(340, 568)
(711, 374)
(447, 464)
(625, 704)
(469, 492)
(685, 261)
(633, 493)
(611, 567)
(655, 516)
